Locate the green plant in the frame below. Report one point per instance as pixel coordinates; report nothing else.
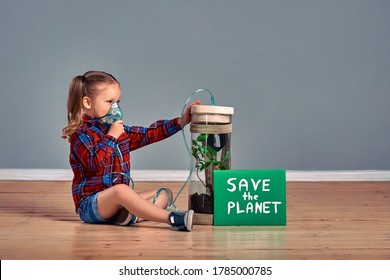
(207, 157)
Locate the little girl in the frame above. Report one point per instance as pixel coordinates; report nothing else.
(100, 146)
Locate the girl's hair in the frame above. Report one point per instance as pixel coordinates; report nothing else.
(80, 86)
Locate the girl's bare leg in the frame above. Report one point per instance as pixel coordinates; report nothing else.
(110, 200)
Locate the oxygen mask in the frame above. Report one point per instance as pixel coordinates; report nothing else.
(114, 114)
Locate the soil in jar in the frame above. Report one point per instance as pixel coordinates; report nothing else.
(202, 203)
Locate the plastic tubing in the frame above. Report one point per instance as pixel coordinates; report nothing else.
(171, 203)
(172, 206)
(128, 178)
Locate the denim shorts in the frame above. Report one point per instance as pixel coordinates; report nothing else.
(88, 210)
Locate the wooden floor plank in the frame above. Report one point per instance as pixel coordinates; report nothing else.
(325, 220)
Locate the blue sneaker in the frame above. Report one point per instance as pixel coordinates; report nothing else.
(124, 218)
(181, 221)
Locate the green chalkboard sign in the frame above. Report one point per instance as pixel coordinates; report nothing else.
(249, 197)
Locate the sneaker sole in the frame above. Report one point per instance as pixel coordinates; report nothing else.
(189, 220)
(123, 217)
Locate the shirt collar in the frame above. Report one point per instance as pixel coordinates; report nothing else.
(94, 121)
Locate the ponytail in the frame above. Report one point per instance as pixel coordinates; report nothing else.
(82, 86)
(74, 105)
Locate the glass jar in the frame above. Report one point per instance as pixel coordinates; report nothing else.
(211, 128)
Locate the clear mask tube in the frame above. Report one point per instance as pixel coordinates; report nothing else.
(115, 113)
(172, 205)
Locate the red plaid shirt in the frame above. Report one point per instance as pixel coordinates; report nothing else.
(97, 158)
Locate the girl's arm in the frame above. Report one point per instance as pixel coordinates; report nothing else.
(142, 136)
(157, 131)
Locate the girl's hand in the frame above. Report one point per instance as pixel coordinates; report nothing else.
(186, 118)
(116, 129)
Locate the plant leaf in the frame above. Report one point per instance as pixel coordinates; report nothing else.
(212, 151)
(226, 156)
(201, 138)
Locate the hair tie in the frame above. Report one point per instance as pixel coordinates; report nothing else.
(83, 78)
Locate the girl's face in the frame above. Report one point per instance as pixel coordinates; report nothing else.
(107, 94)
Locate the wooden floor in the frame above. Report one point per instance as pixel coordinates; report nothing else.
(327, 220)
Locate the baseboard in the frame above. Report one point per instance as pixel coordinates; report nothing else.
(67, 175)
(181, 175)
(338, 175)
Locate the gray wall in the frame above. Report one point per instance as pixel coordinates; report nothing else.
(309, 80)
